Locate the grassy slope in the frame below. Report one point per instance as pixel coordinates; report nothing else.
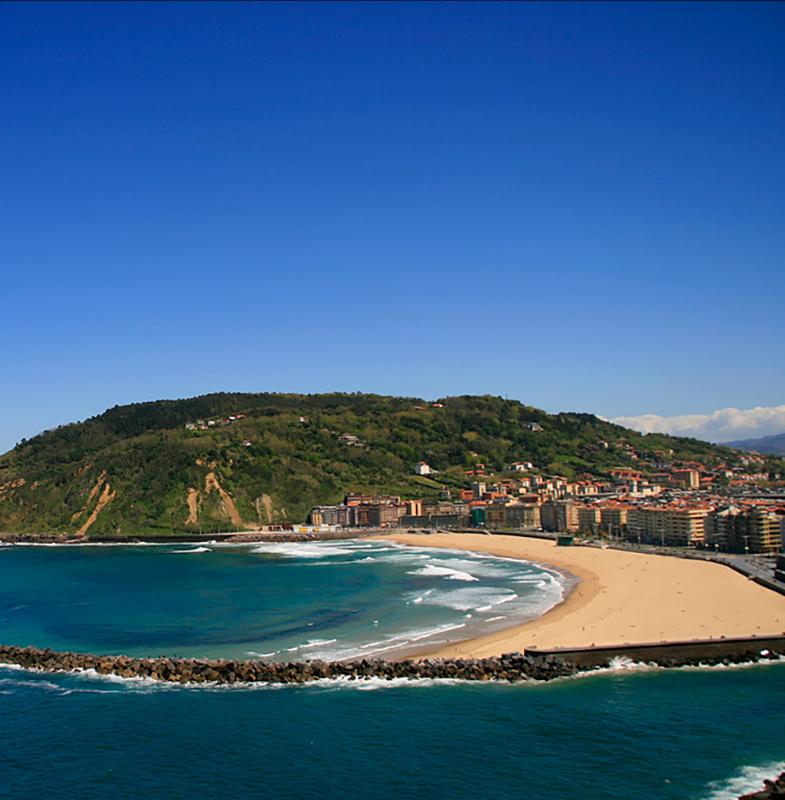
(148, 460)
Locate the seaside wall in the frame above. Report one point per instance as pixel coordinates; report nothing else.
(669, 654)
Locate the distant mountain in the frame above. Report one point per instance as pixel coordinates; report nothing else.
(233, 461)
(771, 445)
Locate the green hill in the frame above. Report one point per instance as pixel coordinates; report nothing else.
(137, 469)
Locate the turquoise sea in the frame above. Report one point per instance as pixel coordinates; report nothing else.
(632, 732)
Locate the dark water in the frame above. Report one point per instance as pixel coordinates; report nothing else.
(646, 733)
(662, 734)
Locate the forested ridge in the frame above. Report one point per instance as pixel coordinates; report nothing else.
(264, 458)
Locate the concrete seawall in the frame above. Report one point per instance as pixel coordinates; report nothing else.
(706, 651)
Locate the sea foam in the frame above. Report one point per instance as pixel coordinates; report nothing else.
(450, 574)
(744, 781)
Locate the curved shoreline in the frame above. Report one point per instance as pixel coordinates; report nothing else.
(624, 599)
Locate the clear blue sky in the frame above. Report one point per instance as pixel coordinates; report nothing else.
(576, 205)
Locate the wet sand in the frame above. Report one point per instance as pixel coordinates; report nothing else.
(622, 598)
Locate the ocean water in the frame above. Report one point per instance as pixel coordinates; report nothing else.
(276, 601)
(632, 732)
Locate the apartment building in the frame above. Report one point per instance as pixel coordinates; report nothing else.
(614, 518)
(525, 516)
(740, 529)
(589, 519)
(764, 531)
(559, 516)
(723, 528)
(681, 526)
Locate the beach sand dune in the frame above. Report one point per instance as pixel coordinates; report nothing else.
(622, 598)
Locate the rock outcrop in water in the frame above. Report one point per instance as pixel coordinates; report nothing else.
(509, 667)
(773, 789)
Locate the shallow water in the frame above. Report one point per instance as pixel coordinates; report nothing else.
(277, 601)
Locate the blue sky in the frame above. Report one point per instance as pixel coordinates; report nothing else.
(579, 206)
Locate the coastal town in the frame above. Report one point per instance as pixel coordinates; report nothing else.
(681, 504)
(650, 498)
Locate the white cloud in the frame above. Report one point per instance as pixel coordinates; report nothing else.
(725, 425)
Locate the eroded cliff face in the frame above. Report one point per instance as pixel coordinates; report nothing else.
(100, 496)
(198, 503)
(90, 501)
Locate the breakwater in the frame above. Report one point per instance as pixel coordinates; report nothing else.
(530, 665)
(511, 667)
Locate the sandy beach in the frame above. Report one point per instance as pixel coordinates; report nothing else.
(622, 598)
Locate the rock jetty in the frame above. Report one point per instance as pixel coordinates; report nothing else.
(509, 667)
(772, 789)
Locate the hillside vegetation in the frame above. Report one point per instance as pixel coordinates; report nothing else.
(136, 469)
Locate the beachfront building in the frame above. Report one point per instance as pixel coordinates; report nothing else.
(414, 521)
(329, 515)
(744, 530)
(413, 508)
(454, 520)
(360, 511)
(382, 516)
(559, 516)
(764, 531)
(722, 528)
(589, 520)
(687, 525)
(614, 518)
(680, 526)
(514, 515)
(477, 512)
(434, 514)
(495, 516)
(525, 516)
